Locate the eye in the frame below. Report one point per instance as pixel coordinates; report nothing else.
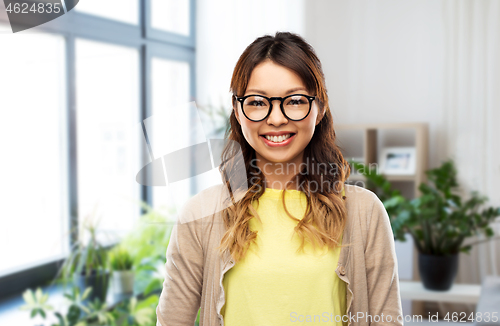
(297, 101)
(256, 103)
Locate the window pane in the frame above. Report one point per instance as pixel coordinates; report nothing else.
(33, 220)
(107, 79)
(171, 16)
(169, 122)
(126, 11)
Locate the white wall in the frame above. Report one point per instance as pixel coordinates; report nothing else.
(383, 60)
(225, 28)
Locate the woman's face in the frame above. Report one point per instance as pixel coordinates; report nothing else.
(271, 79)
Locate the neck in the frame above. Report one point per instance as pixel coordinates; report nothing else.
(280, 175)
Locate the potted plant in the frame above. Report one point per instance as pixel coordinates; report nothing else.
(147, 245)
(439, 220)
(146, 248)
(86, 263)
(121, 263)
(79, 312)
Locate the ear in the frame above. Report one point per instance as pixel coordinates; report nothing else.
(236, 114)
(320, 116)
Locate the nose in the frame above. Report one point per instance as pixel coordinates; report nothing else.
(276, 117)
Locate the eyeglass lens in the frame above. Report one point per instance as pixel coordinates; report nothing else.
(256, 107)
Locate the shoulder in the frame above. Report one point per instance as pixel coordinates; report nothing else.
(363, 204)
(356, 195)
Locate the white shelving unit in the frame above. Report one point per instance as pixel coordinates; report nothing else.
(460, 293)
(367, 141)
(370, 139)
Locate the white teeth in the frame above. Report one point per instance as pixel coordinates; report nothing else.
(278, 139)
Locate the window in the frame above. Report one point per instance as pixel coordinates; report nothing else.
(76, 92)
(171, 21)
(33, 227)
(170, 120)
(171, 16)
(126, 11)
(108, 110)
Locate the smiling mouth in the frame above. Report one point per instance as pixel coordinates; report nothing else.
(278, 139)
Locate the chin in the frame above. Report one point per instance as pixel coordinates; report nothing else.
(278, 158)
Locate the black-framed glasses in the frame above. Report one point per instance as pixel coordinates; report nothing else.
(294, 107)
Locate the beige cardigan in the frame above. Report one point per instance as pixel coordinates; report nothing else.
(194, 270)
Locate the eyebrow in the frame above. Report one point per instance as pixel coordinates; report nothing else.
(289, 91)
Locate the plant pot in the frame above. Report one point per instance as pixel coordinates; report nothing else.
(123, 282)
(437, 272)
(98, 281)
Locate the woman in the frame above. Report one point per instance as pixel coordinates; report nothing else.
(290, 242)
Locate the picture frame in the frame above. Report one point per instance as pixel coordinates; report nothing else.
(397, 160)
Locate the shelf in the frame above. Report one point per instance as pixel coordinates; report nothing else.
(363, 140)
(402, 177)
(359, 177)
(459, 293)
(357, 126)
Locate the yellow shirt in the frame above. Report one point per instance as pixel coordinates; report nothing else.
(274, 285)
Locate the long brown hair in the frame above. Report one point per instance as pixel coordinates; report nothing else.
(326, 215)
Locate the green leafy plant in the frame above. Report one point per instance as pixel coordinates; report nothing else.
(93, 313)
(120, 259)
(84, 258)
(147, 246)
(87, 262)
(77, 314)
(439, 221)
(129, 312)
(77, 308)
(98, 314)
(133, 312)
(36, 302)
